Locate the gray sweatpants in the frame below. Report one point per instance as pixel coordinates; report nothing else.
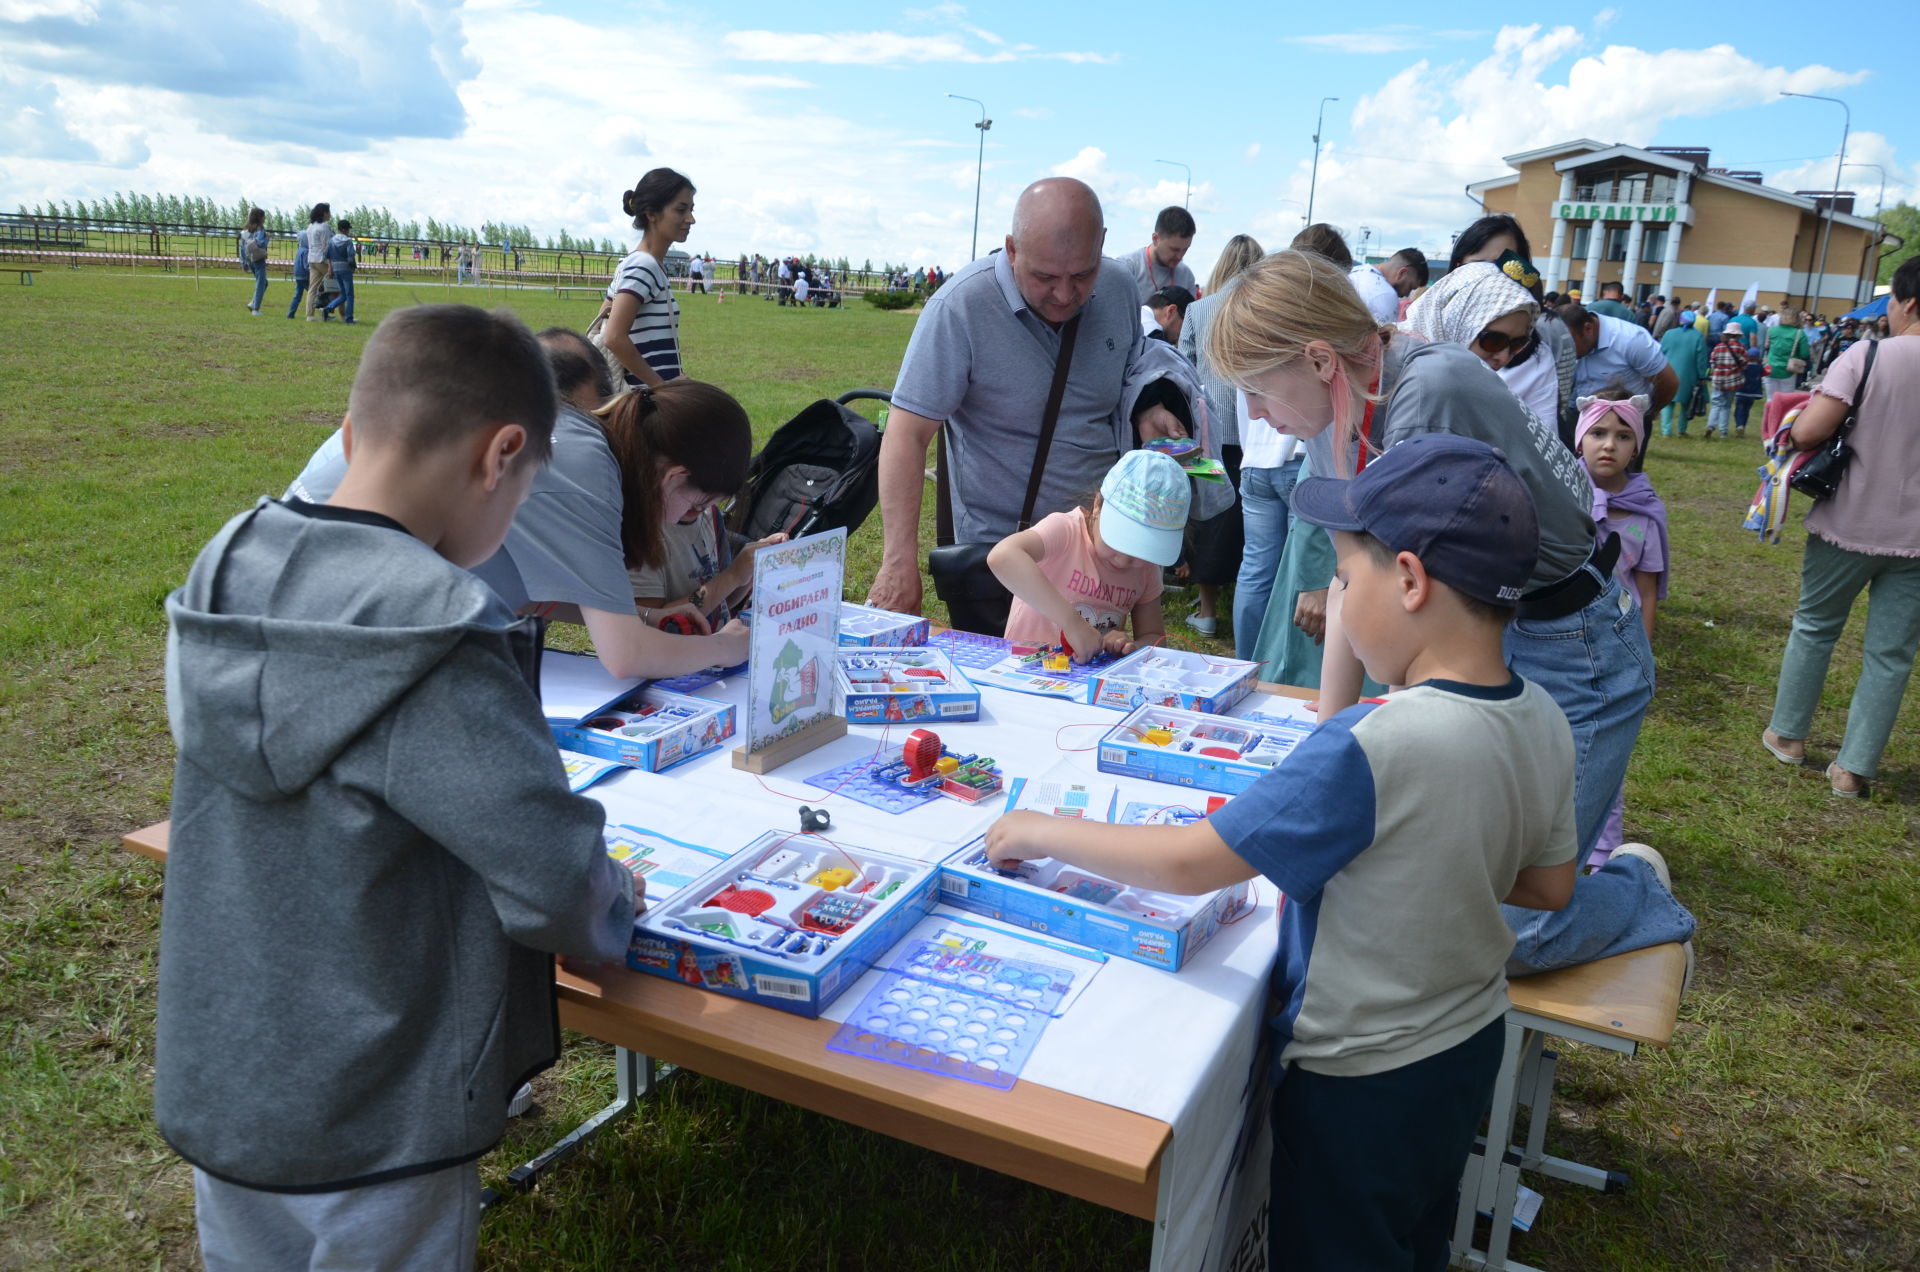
(421, 1222)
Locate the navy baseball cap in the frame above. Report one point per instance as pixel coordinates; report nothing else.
(1454, 502)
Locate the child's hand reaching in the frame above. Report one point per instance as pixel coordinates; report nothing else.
(1116, 643)
(1017, 837)
(1084, 641)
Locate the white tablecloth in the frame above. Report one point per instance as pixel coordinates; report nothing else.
(1174, 1047)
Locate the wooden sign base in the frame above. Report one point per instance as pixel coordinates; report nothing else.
(770, 757)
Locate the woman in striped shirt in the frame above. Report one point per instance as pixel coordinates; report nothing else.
(643, 326)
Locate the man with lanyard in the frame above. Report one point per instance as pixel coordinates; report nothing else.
(1161, 263)
(980, 364)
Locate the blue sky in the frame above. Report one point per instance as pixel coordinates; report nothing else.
(827, 128)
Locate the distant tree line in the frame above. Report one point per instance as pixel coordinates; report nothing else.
(200, 212)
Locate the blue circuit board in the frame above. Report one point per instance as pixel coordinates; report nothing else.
(958, 1013)
(699, 679)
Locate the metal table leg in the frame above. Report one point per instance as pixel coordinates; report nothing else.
(635, 1075)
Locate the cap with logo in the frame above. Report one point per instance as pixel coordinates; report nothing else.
(1454, 502)
(1143, 507)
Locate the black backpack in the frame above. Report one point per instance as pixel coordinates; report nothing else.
(819, 470)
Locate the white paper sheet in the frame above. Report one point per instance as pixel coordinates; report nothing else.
(1176, 1047)
(575, 686)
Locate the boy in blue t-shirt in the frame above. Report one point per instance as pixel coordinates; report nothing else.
(1395, 831)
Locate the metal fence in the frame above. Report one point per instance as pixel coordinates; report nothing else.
(81, 243)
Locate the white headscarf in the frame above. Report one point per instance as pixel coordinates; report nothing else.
(1458, 307)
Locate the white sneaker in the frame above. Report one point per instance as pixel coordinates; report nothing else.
(1652, 857)
(1205, 626)
(522, 1100)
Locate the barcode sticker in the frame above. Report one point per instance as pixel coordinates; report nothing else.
(780, 986)
(953, 885)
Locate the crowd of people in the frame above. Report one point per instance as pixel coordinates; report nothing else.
(326, 255)
(1438, 514)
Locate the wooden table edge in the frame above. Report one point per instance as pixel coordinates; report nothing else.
(1068, 1143)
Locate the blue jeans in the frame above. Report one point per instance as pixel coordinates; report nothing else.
(299, 290)
(1263, 510)
(259, 269)
(1717, 417)
(1831, 579)
(344, 301)
(1598, 667)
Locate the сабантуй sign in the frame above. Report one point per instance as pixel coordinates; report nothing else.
(1619, 211)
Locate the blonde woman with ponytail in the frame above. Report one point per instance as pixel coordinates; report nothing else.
(1294, 335)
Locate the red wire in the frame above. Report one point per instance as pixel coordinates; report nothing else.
(878, 747)
(1090, 724)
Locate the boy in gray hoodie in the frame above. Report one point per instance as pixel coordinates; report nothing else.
(374, 852)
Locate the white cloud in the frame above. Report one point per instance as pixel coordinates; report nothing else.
(1032, 112)
(1414, 142)
(885, 48)
(621, 135)
(1252, 151)
(1397, 37)
(1863, 149)
(1359, 41)
(1090, 166)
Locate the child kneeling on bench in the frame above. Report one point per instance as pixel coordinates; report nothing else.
(1395, 831)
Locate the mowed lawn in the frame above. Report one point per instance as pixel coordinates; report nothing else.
(138, 413)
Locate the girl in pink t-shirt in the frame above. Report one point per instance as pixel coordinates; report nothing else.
(1078, 577)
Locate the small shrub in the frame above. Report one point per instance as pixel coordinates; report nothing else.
(893, 299)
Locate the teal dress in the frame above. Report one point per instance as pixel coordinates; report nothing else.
(1686, 351)
(1288, 655)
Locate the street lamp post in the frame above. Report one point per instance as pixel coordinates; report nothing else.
(1879, 206)
(1826, 237)
(1314, 182)
(1175, 163)
(979, 167)
(1880, 200)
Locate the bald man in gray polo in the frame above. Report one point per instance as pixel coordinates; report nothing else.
(981, 361)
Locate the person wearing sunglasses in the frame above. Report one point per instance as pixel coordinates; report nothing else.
(1315, 364)
(1543, 380)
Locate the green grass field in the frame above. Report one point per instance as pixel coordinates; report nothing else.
(139, 412)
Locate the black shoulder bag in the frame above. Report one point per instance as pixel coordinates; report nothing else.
(977, 601)
(1820, 476)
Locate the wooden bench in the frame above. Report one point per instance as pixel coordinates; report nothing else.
(1620, 1003)
(26, 273)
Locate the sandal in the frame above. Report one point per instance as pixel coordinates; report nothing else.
(1785, 757)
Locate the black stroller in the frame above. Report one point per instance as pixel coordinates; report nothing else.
(819, 470)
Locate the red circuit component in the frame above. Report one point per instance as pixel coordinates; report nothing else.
(748, 901)
(1220, 752)
(681, 623)
(920, 753)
